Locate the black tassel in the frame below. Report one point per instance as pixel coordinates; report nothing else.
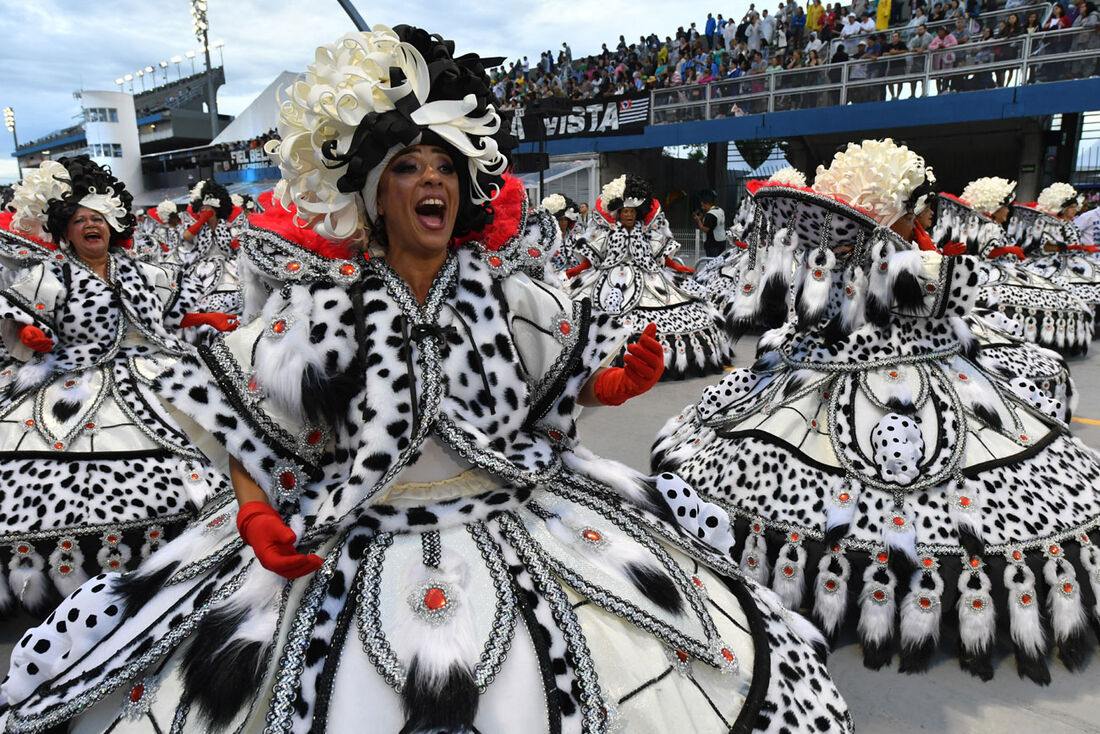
(901, 564)
(988, 416)
(656, 586)
(878, 654)
(135, 589)
(908, 292)
(834, 535)
(767, 362)
(1074, 650)
(916, 658)
(877, 312)
(900, 406)
(972, 543)
(979, 664)
(221, 678)
(449, 705)
(794, 384)
(772, 310)
(655, 501)
(834, 331)
(1032, 667)
(63, 409)
(326, 399)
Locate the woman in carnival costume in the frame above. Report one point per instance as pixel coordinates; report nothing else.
(97, 471)
(871, 461)
(461, 563)
(208, 218)
(721, 275)
(573, 241)
(1010, 296)
(1045, 231)
(629, 272)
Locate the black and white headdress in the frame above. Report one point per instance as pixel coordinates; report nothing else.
(363, 99)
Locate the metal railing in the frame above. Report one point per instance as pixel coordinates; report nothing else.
(1025, 59)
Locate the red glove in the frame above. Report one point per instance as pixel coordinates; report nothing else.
(220, 321)
(163, 247)
(954, 248)
(1002, 251)
(273, 542)
(203, 218)
(642, 368)
(669, 262)
(235, 244)
(574, 272)
(35, 338)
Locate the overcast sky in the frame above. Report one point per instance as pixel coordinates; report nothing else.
(50, 48)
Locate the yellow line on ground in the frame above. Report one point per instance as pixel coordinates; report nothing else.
(1089, 421)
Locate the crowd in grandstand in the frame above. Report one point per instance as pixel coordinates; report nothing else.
(796, 37)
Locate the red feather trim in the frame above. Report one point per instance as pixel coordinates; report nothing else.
(236, 212)
(154, 215)
(5, 224)
(507, 209)
(285, 223)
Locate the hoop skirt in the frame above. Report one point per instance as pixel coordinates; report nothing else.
(98, 471)
(884, 470)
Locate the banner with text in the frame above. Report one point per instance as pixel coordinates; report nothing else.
(553, 119)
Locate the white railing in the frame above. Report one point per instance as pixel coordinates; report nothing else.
(1024, 59)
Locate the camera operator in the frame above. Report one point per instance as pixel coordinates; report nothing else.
(712, 221)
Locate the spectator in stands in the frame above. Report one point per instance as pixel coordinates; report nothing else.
(815, 16)
(1058, 19)
(918, 44)
(953, 10)
(896, 66)
(710, 29)
(961, 34)
(942, 59)
(866, 23)
(814, 44)
(937, 13)
(849, 32)
(767, 29)
(796, 34)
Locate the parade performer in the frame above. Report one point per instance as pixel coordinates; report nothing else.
(629, 272)
(868, 457)
(1010, 296)
(573, 242)
(207, 233)
(419, 536)
(97, 470)
(1046, 232)
(721, 275)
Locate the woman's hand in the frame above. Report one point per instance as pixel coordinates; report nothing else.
(35, 339)
(273, 542)
(220, 321)
(643, 366)
(205, 215)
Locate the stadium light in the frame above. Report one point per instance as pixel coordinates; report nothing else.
(164, 67)
(120, 82)
(218, 45)
(201, 27)
(9, 123)
(191, 55)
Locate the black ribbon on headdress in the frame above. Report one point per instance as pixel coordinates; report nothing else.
(926, 188)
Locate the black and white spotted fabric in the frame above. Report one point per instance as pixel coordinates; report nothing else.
(629, 279)
(538, 597)
(97, 469)
(909, 470)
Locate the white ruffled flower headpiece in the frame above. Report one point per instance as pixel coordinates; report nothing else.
(879, 177)
(1056, 197)
(788, 175)
(321, 112)
(989, 194)
(166, 209)
(49, 182)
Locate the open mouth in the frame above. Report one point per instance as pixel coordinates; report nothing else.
(431, 212)
(93, 237)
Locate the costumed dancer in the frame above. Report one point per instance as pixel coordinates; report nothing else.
(573, 242)
(873, 468)
(98, 472)
(629, 273)
(722, 274)
(1010, 297)
(207, 218)
(419, 535)
(167, 230)
(1046, 232)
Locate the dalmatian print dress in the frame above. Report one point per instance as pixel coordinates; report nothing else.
(1026, 299)
(481, 571)
(629, 279)
(886, 477)
(96, 469)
